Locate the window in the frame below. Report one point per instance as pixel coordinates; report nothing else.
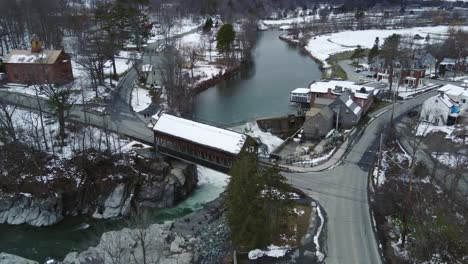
(463, 101)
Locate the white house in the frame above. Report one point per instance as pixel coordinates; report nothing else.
(459, 95)
(440, 110)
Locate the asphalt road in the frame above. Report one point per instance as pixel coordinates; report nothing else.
(342, 192)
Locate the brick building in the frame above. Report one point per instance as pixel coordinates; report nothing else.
(38, 66)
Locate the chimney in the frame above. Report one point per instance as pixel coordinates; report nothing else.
(36, 44)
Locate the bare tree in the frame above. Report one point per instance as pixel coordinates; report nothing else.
(193, 55)
(7, 126)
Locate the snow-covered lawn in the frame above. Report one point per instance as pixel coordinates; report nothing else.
(424, 129)
(141, 99)
(322, 47)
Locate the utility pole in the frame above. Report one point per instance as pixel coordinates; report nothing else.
(380, 161)
(394, 97)
(337, 117)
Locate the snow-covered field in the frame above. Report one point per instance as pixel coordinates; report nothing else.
(141, 99)
(182, 26)
(322, 47)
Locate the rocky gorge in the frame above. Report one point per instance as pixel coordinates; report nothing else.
(110, 189)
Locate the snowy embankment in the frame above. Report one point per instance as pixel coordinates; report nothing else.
(28, 125)
(271, 141)
(322, 47)
(210, 185)
(205, 68)
(141, 99)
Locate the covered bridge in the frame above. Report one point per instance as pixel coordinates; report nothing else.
(199, 143)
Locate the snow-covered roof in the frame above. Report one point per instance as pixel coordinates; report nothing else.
(301, 91)
(453, 90)
(348, 101)
(445, 99)
(214, 137)
(323, 86)
(28, 57)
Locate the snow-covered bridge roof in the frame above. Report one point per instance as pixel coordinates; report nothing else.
(199, 133)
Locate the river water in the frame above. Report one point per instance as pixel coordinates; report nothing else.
(259, 91)
(79, 233)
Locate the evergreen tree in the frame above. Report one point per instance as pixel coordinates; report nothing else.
(358, 53)
(225, 38)
(374, 52)
(276, 201)
(257, 203)
(208, 25)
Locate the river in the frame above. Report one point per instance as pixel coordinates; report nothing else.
(263, 89)
(79, 233)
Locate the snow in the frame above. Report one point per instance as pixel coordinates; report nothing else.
(134, 145)
(271, 251)
(323, 86)
(349, 102)
(271, 141)
(32, 58)
(316, 161)
(301, 91)
(288, 21)
(318, 253)
(210, 185)
(141, 99)
(322, 47)
(199, 133)
(424, 129)
(26, 122)
(453, 90)
(209, 176)
(451, 160)
(298, 212)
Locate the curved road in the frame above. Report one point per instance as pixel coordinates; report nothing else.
(342, 192)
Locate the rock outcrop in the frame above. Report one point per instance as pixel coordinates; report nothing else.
(163, 192)
(157, 184)
(155, 244)
(116, 204)
(8, 258)
(21, 208)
